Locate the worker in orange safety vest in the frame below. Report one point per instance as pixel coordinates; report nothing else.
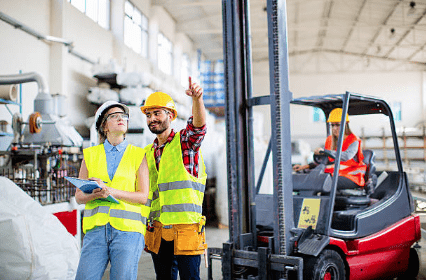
(176, 229)
(352, 168)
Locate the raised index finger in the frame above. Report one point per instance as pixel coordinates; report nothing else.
(190, 83)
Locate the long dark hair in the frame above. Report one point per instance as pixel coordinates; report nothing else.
(348, 131)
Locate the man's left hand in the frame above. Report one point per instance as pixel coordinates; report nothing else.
(194, 90)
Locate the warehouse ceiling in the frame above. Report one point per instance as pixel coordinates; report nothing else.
(379, 30)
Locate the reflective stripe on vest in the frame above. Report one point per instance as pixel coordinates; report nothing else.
(123, 216)
(94, 211)
(356, 172)
(153, 215)
(182, 208)
(177, 196)
(181, 185)
(155, 195)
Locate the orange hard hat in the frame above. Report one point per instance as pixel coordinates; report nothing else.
(160, 100)
(336, 116)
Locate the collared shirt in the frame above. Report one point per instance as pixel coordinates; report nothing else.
(190, 139)
(113, 156)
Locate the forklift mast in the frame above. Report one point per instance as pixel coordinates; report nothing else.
(318, 247)
(239, 125)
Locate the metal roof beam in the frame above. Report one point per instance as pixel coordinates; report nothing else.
(385, 21)
(294, 53)
(324, 23)
(405, 34)
(191, 23)
(353, 25)
(181, 3)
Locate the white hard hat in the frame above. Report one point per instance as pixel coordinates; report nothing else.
(100, 113)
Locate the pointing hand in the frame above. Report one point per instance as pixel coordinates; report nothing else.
(194, 90)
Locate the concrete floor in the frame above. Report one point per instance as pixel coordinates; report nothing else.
(422, 250)
(422, 273)
(215, 237)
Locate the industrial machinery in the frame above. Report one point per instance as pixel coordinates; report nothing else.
(44, 149)
(305, 229)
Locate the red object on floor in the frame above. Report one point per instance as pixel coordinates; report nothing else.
(69, 220)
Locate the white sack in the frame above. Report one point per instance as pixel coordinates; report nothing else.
(132, 95)
(33, 242)
(100, 95)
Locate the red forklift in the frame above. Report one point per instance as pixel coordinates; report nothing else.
(305, 229)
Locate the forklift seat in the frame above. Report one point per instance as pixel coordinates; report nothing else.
(346, 207)
(350, 199)
(370, 175)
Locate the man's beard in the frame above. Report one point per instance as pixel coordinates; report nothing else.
(161, 127)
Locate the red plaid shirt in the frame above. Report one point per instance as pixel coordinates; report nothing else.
(190, 140)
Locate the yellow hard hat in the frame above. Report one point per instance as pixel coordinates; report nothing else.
(336, 116)
(160, 100)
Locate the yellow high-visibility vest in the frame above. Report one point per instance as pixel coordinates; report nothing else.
(124, 216)
(176, 196)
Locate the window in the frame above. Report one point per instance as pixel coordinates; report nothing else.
(212, 82)
(318, 115)
(165, 54)
(185, 71)
(135, 29)
(396, 111)
(97, 10)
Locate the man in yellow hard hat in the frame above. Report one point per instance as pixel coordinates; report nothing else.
(177, 182)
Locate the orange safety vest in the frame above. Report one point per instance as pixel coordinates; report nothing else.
(350, 169)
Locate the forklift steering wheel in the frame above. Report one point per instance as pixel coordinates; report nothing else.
(323, 157)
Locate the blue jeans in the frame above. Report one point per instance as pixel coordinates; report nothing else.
(188, 265)
(106, 244)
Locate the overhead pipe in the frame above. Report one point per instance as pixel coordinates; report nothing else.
(25, 28)
(79, 55)
(43, 102)
(21, 26)
(25, 78)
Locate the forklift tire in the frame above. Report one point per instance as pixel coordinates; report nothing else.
(328, 265)
(413, 266)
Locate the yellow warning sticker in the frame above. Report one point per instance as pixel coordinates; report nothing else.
(309, 213)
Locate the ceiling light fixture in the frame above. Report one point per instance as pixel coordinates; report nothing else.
(412, 9)
(392, 33)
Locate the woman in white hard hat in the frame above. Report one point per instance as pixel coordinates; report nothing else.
(114, 232)
(352, 168)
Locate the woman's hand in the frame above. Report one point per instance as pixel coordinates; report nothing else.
(318, 150)
(298, 167)
(104, 191)
(139, 196)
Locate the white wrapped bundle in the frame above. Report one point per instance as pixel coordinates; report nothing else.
(34, 244)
